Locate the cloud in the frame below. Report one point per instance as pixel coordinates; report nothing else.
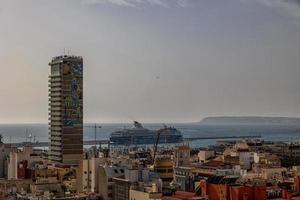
(181, 3)
(289, 7)
(140, 3)
(115, 2)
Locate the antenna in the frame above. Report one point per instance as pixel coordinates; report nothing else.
(26, 135)
(10, 143)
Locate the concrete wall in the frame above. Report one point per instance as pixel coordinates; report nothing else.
(103, 183)
(134, 194)
(204, 155)
(12, 166)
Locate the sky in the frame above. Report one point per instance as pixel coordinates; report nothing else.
(154, 60)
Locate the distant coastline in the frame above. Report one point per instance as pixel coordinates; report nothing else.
(251, 120)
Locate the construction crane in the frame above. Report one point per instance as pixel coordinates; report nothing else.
(156, 143)
(95, 127)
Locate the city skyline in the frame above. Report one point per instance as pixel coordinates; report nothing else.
(155, 61)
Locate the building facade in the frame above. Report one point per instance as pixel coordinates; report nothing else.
(87, 174)
(182, 155)
(66, 109)
(145, 193)
(106, 182)
(121, 188)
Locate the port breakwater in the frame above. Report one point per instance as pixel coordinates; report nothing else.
(98, 142)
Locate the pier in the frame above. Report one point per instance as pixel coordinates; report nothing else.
(222, 137)
(46, 144)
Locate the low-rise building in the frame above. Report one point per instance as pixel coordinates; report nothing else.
(184, 178)
(182, 155)
(21, 162)
(121, 188)
(87, 174)
(106, 183)
(5, 150)
(141, 192)
(275, 173)
(205, 155)
(164, 167)
(266, 160)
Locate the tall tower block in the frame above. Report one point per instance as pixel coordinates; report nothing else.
(66, 109)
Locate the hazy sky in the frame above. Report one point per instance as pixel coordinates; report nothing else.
(154, 60)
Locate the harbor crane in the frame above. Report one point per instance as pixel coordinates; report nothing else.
(159, 132)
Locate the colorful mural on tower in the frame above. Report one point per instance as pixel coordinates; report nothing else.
(73, 96)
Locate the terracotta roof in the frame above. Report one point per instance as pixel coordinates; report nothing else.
(179, 195)
(183, 147)
(214, 163)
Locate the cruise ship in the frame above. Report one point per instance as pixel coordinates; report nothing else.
(142, 136)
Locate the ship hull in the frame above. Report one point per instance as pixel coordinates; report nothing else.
(144, 139)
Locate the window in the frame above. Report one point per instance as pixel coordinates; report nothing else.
(55, 70)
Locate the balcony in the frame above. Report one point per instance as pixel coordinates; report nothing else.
(55, 104)
(56, 138)
(54, 118)
(55, 109)
(54, 84)
(54, 152)
(54, 94)
(55, 123)
(58, 89)
(57, 144)
(54, 78)
(54, 133)
(55, 98)
(54, 129)
(55, 147)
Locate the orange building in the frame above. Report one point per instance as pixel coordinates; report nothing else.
(226, 190)
(220, 190)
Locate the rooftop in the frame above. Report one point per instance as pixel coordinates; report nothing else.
(61, 58)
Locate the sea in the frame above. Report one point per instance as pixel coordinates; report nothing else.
(12, 133)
